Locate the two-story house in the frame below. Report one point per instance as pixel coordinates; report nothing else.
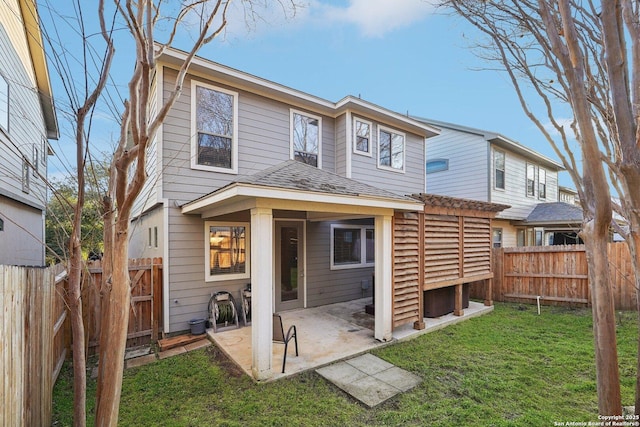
(482, 165)
(250, 181)
(27, 121)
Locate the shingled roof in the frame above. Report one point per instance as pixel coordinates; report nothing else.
(556, 212)
(457, 203)
(294, 175)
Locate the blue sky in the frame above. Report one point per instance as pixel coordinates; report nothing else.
(400, 54)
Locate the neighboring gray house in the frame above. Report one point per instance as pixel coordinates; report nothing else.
(254, 182)
(482, 165)
(27, 121)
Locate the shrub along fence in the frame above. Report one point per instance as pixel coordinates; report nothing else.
(558, 275)
(32, 347)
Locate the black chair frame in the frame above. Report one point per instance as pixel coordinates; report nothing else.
(279, 336)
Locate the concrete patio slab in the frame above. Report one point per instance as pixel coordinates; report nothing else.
(327, 334)
(369, 379)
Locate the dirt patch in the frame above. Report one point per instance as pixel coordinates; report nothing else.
(221, 359)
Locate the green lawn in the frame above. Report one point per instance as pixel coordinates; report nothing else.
(508, 368)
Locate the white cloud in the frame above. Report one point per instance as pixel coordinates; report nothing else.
(374, 18)
(565, 123)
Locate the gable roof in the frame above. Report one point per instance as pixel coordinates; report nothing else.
(211, 70)
(555, 212)
(499, 140)
(31, 22)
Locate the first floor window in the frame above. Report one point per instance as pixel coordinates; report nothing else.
(227, 256)
(390, 149)
(352, 246)
(497, 237)
(214, 125)
(520, 238)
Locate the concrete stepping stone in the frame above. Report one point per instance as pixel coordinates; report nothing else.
(369, 379)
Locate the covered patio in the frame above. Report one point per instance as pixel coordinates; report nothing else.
(327, 334)
(293, 191)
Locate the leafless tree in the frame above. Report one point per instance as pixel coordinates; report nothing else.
(576, 54)
(140, 121)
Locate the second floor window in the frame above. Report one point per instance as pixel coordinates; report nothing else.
(531, 179)
(215, 129)
(499, 171)
(390, 149)
(305, 138)
(362, 136)
(542, 183)
(4, 103)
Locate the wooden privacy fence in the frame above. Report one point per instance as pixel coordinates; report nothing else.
(558, 274)
(32, 347)
(145, 316)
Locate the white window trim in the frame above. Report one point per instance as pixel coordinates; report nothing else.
(207, 252)
(546, 186)
(354, 137)
(493, 163)
(194, 130)
(291, 124)
(363, 248)
(526, 179)
(404, 150)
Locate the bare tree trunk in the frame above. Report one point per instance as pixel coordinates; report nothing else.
(607, 373)
(117, 298)
(74, 301)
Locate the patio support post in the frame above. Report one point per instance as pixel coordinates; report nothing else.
(262, 292)
(384, 279)
(458, 311)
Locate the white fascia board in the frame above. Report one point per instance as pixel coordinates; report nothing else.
(522, 149)
(261, 192)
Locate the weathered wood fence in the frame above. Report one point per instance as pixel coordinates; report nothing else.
(32, 347)
(145, 316)
(558, 274)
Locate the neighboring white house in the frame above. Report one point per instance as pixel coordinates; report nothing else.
(252, 182)
(482, 165)
(27, 121)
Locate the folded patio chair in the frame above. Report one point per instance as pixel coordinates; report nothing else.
(280, 337)
(245, 294)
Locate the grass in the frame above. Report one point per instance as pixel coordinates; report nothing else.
(509, 368)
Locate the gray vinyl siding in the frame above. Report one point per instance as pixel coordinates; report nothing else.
(515, 193)
(139, 246)
(263, 141)
(21, 242)
(17, 246)
(468, 167)
(341, 145)
(149, 195)
(326, 286)
(365, 169)
(26, 121)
